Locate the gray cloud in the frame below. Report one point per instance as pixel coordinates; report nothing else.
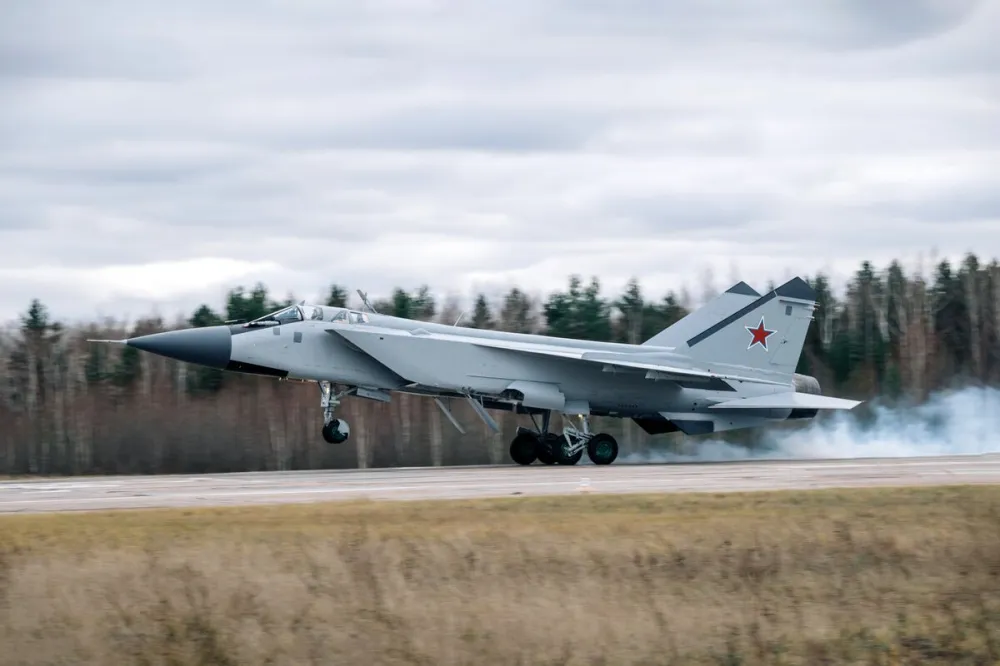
(159, 154)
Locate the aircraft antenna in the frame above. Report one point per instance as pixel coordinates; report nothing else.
(364, 299)
(460, 317)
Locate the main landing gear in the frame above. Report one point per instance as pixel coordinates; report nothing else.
(565, 449)
(335, 431)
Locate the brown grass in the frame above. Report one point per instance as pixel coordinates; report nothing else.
(888, 576)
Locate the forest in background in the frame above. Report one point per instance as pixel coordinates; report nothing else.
(72, 407)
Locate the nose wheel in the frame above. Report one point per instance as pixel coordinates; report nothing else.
(335, 431)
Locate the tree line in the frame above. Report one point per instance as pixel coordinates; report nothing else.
(72, 407)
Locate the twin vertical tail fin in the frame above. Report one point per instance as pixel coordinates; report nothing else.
(738, 296)
(767, 334)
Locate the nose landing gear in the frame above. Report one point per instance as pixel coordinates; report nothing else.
(335, 431)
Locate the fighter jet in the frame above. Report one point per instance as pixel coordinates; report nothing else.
(729, 364)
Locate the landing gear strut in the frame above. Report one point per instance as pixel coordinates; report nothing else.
(335, 431)
(565, 449)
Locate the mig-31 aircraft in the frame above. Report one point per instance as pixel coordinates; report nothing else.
(729, 364)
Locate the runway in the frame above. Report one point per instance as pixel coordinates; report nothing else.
(131, 492)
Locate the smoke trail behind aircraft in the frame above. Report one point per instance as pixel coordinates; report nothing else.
(958, 422)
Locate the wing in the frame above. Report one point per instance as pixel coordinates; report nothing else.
(372, 341)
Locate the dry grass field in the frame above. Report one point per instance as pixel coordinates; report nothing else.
(888, 576)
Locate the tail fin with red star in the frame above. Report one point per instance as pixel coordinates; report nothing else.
(767, 334)
(738, 296)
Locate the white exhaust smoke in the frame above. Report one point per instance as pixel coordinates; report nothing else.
(958, 422)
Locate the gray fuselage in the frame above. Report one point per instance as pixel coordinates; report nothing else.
(307, 349)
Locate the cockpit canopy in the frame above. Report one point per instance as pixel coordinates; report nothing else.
(351, 317)
(303, 312)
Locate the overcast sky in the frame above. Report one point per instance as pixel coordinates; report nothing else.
(154, 154)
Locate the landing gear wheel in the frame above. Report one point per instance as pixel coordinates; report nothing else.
(336, 431)
(602, 449)
(524, 448)
(573, 459)
(549, 449)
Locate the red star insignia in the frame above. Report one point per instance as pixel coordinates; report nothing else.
(760, 335)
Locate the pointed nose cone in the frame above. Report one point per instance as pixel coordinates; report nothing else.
(211, 346)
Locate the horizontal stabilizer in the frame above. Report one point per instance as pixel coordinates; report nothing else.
(789, 400)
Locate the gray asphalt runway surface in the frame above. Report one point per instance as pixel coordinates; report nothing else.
(124, 492)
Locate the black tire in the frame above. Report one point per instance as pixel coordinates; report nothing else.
(559, 447)
(602, 449)
(548, 449)
(571, 460)
(524, 449)
(332, 435)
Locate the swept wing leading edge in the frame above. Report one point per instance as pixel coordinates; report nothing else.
(361, 335)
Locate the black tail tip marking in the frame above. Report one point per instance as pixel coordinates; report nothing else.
(797, 288)
(743, 289)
